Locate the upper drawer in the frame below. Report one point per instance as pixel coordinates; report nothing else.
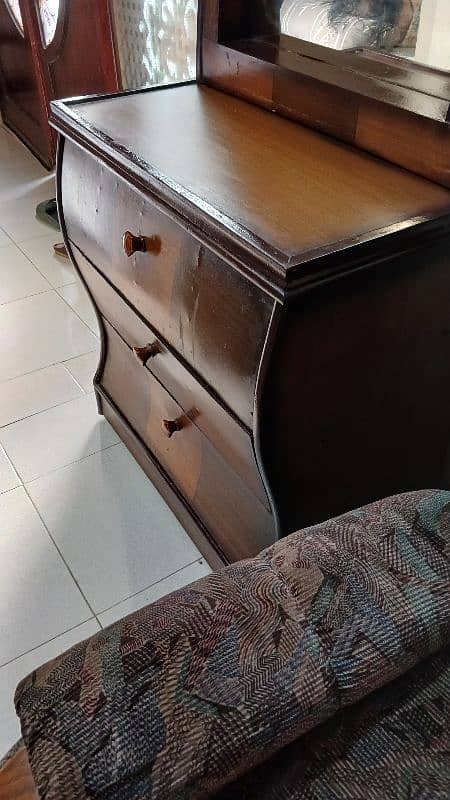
(226, 434)
(204, 308)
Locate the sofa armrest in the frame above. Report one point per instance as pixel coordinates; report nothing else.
(187, 694)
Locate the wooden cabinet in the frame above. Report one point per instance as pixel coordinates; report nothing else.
(51, 49)
(274, 306)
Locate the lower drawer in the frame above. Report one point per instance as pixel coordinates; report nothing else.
(226, 434)
(236, 519)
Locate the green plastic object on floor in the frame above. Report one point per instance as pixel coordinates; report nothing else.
(47, 212)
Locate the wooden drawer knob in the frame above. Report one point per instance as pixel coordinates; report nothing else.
(171, 426)
(140, 244)
(148, 351)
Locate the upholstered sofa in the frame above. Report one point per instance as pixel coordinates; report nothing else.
(319, 669)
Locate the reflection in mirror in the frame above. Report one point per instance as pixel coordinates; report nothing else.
(415, 29)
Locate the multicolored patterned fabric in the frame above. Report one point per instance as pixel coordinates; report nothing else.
(202, 687)
(393, 745)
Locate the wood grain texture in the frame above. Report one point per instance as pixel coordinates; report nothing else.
(301, 289)
(198, 304)
(16, 780)
(239, 523)
(23, 96)
(241, 51)
(356, 402)
(226, 158)
(80, 60)
(215, 421)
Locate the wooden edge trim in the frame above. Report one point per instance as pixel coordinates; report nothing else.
(16, 779)
(273, 271)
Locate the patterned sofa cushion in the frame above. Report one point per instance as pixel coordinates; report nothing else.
(392, 745)
(186, 695)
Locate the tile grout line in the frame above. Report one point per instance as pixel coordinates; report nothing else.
(2, 449)
(35, 266)
(47, 366)
(43, 410)
(71, 463)
(53, 639)
(151, 585)
(74, 310)
(96, 615)
(60, 554)
(55, 288)
(74, 378)
(25, 297)
(21, 299)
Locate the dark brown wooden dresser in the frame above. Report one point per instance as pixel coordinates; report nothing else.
(274, 307)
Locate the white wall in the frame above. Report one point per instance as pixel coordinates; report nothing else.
(433, 40)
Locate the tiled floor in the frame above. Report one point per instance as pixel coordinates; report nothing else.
(81, 527)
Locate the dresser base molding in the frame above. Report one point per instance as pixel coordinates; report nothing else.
(168, 491)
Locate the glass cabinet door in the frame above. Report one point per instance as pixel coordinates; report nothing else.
(14, 9)
(49, 14)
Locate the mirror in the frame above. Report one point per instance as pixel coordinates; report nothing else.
(416, 30)
(372, 73)
(413, 29)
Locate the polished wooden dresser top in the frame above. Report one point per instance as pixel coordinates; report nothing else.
(284, 195)
(273, 304)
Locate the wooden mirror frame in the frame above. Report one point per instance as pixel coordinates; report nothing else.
(387, 105)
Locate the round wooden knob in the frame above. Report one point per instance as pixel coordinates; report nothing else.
(140, 244)
(171, 426)
(133, 244)
(148, 351)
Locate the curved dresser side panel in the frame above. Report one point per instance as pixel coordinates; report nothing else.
(357, 397)
(208, 333)
(204, 308)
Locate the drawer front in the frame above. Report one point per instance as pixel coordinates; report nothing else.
(237, 520)
(204, 308)
(228, 436)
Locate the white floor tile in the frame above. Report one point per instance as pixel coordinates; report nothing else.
(83, 369)
(21, 223)
(58, 271)
(19, 168)
(39, 331)
(20, 173)
(5, 241)
(8, 476)
(78, 299)
(39, 598)
(37, 391)
(113, 528)
(56, 437)
(13, 673)
(181, 578)
(18, 209)
(18, 277)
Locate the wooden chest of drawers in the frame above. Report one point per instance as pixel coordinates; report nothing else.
(274, 308)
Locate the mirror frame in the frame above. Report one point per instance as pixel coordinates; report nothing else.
(390, 106)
